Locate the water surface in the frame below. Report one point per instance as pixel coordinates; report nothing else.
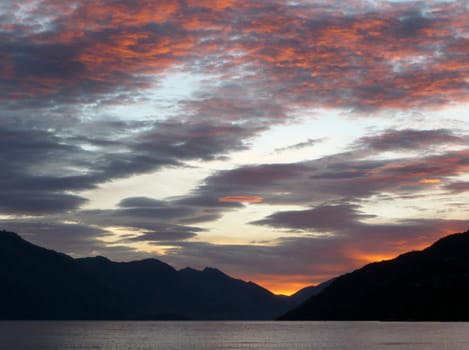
(232, 335)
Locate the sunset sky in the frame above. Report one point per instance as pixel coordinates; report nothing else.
(283, 142)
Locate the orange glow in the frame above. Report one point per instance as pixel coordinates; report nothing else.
(286, 285)
(430, 181)
(355, 259)
(367, 258)
(241, 199)
(393, 249)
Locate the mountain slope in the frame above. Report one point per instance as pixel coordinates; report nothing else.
(432, 284)
(150, 289)
(38, 283)
(307, 292)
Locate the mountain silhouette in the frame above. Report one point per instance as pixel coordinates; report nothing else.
(41, 284)
(427, 285)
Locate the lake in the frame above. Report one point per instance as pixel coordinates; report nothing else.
(232, 335)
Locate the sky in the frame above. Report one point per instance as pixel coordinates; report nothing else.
(282, 142)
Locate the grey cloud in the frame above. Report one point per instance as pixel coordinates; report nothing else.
(142, 210)
(410, 24)
(39, 163)
(300, 145)
(35, 173)
(321, 218)
(167, 233)
(156, 220)
(142, 202)
(193, 140)
(33, 203)
(410, 139)
(222, 117)
(340, 177)
(76, 239)
(45, 60)
(170, 143)
(71, 238)
(457, 187)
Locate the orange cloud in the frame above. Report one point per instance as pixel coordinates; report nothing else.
(430, 181)
(241, 199)
(350, 57)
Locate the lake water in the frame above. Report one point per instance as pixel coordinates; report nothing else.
(232, 335)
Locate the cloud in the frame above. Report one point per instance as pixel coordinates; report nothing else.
(337, 240)
(41, 168)
(410, 139)
(379, 58)
(82, 104)
(167, 233)
(397, 55)
(313, 257)
(141, 202)
(66, 65)
(241, 199)
(457, 187)
(299, 145)
(348, 176)
(32, 203)
(72, 238)
(28, 183)
(151, 220)
(321, 218)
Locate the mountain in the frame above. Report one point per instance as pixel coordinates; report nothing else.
(37, 283)
(303, 294)
(40, 283)
(427, 285)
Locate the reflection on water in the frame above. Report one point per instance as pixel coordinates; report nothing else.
(232, 335)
